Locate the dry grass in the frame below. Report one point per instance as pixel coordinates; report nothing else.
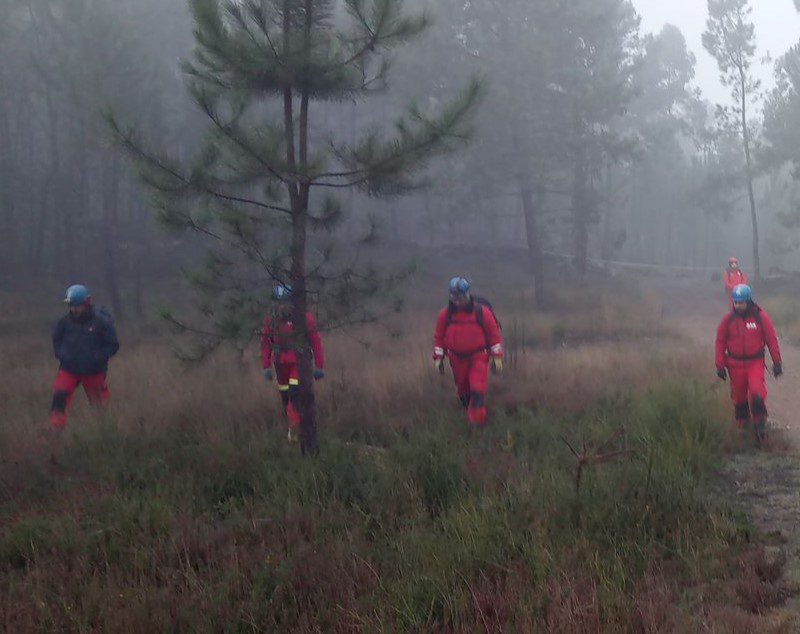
(180, 508)
(590, 346)
(388, 384)
(785, 312)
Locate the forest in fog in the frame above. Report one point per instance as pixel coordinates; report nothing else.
(588, 141)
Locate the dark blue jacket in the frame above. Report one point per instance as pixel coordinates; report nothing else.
(84, 344)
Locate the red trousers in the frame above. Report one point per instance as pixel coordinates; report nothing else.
(288, 379)
(64, 387)
(471, 374)
(748, 390)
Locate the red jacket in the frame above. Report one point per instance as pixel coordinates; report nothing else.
(734, 278)
(277, 340)
(741, 338)
(459, 332)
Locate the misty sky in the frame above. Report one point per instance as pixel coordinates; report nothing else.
(777, 28)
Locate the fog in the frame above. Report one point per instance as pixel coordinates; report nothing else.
(399, 315)
(777, 24)
(567, 135)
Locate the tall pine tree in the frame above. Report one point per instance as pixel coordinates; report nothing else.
(263, 182)
(730, 38)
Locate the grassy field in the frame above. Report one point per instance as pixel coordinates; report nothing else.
(585, 506)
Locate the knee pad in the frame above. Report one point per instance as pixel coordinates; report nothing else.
(476, 399)
(759, 406)
(742, 412)
(59, 401)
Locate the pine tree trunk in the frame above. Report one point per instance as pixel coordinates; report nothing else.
(529, 209)
(607, 247)
(137, 212)
(749, 175)
(7, 220)
(110, 220)
(579, 215)
(299, 198)
(82, 200)
(54, 195)
(298, 195)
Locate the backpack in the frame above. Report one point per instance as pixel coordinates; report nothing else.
(104, 314)
(481, 304)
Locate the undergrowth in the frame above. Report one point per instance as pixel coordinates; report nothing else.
(219, 527)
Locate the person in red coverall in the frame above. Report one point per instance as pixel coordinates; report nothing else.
(467, 333)
(733, 276)
(742, 336)
(281, 345)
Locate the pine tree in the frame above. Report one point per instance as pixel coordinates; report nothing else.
(262, 185)
(562, 75)
(730, 38)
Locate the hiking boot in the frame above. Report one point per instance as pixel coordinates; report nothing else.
(761, 430)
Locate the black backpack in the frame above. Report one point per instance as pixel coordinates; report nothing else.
(481, 304)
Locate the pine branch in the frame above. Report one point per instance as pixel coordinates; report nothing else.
(382, 167)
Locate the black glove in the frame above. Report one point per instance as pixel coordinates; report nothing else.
(777, 369)
(319, 373)
(269, 374)
(722, 373)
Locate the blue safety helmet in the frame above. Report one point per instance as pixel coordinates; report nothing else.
(459, 286)
(742, 293)
(281, 292)
(77, 294)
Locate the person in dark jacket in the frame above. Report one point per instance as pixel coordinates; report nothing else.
(83, 342)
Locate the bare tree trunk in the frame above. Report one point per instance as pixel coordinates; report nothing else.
(27, 204)
(38, 242)
(532, 233)
(110, 235)
(749, 174)
(607, 247)
(8, 255)
(580, 215)
(138, 221)
(60, 244)
(80, 208)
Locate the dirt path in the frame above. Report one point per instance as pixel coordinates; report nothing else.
(764, 483)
